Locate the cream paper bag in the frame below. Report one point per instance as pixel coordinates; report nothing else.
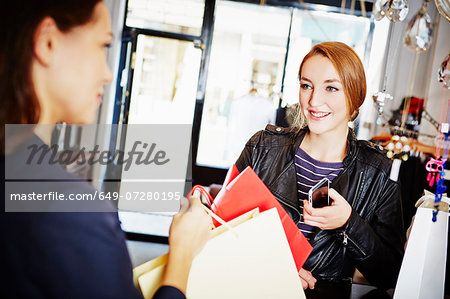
(154, 269)
(255, 263)
(422, 274)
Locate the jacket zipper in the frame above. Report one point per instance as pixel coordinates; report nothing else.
(291, 206)
(357, 187)
(347, 238)
(318, 240)
(344, 234)
(281, 200)
(323, 256)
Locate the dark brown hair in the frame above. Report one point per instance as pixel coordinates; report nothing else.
(18, 23)
(350, 70)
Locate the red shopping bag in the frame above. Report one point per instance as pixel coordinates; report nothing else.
(245, 191)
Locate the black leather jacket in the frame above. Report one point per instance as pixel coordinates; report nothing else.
(372, 239)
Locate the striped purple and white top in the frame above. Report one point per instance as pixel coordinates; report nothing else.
(309, 172)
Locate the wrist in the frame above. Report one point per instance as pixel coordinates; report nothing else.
(349, 214)
(347, 218)
(181, 254)
(177, 270)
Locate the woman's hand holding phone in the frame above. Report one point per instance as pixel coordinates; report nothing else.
(329, 217)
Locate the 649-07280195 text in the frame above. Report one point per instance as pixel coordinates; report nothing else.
(97, 195)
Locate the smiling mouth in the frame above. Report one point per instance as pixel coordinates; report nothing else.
(319, 114)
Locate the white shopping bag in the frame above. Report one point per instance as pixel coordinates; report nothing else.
(252, 261)
(422, 274)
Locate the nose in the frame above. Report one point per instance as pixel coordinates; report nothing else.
(107, 74)
(315, 98)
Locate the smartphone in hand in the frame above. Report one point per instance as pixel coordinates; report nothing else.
(318, 194)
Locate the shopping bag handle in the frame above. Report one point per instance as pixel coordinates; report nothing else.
(220, 220)
(200, 192)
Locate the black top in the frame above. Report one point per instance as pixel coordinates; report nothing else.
(166, 292)
(64, 254)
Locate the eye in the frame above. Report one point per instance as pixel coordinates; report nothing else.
(107, 45)
(331, 89)
(305, 86)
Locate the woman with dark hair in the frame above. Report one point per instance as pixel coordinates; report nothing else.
(362, 228)
(53, 68)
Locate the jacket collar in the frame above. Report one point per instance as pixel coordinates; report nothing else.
(351, 144)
